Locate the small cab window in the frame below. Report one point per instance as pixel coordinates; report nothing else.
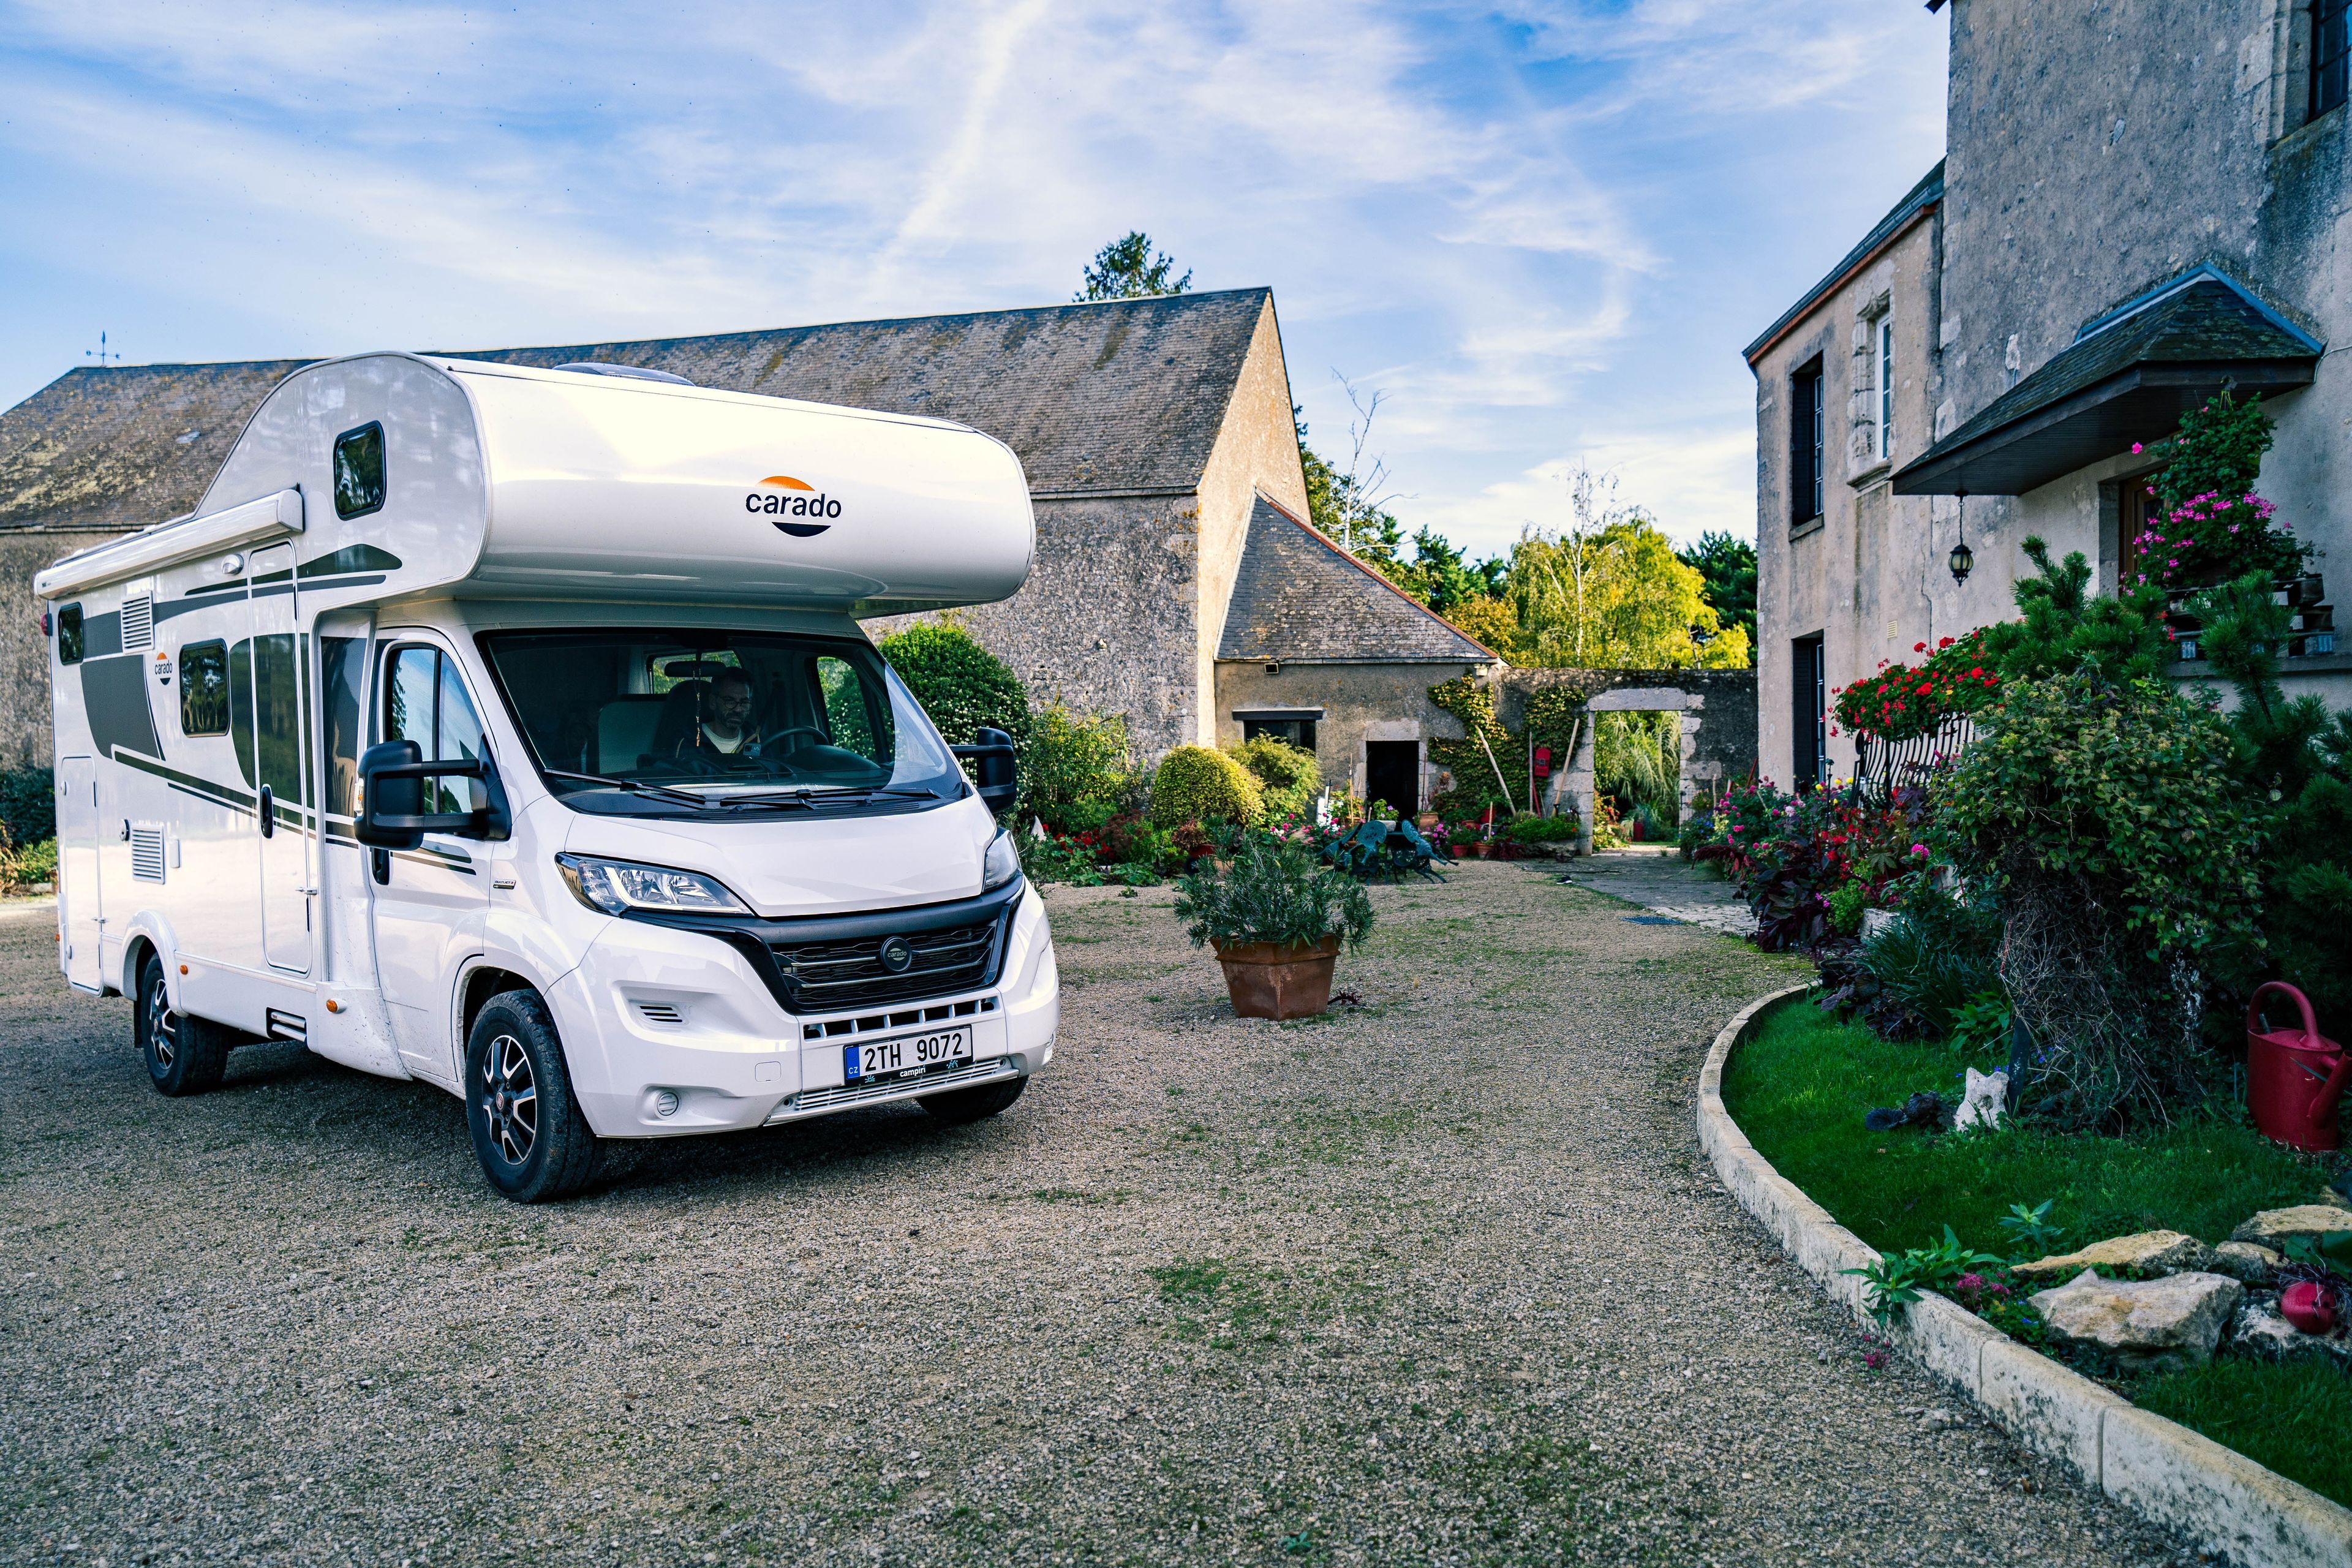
(424, 701)
(203, 688)
(358, 471)
(69, 635)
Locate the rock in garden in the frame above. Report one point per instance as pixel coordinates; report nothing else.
(2243, 1261)
(2151, 1252)
(1988, 1094)
(2174, 1320)
(2274, 1228)
(2259, 1330)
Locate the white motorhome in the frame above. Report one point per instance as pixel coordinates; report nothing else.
(513, 729)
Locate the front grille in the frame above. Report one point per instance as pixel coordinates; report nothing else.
(838, 976)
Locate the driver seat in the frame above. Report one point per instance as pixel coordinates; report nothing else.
(681, 718)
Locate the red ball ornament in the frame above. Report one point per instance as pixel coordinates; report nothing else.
(2306, 1306)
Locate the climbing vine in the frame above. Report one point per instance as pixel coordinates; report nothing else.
(1552, 720)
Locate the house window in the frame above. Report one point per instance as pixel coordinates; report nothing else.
(1886, 387)
(1811, 729)
(1294, 725)
(1805, 430)
(2331, 46)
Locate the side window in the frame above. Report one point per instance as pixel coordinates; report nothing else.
(342, 666)
(69, 635)
(848, 714)
(276, 746)
(424, 701)
(203, 688)
(358, 471)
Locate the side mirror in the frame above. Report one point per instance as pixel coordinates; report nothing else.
(998, 769)
(391, 798)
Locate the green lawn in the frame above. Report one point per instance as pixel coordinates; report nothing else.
(1800, 1086)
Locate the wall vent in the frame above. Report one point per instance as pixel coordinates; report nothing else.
(285, 1025)
(139, 623)
(147, 853)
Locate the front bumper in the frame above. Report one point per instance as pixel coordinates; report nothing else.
(668, 1032)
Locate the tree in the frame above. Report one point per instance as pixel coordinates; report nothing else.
(1608, 592)
(1729, 564)
(1129, 268)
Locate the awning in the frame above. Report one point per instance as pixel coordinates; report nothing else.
(2128, 377)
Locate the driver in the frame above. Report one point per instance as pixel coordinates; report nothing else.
(726, 730)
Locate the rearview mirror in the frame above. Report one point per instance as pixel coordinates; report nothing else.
(996, 768)
(391, 798)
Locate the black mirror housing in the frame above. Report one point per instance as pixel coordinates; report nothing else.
(391, 798)
(997, 767)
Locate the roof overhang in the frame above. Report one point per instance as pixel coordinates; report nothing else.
(2127, 378)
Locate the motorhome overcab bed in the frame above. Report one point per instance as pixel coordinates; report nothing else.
(513, 729)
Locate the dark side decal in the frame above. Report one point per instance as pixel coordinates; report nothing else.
(114, 696)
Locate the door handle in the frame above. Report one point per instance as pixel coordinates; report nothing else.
(268, 813)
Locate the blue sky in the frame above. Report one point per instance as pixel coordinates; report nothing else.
(1543, 232)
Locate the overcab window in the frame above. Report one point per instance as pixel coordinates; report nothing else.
(358, 471)
(69, 635)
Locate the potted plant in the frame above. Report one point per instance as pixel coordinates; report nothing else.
(1276, 914)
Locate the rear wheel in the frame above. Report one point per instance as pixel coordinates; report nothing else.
(958, 1106)
(534, 1144)
(183, 1055)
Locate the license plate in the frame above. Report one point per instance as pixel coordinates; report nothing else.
(907, 1055)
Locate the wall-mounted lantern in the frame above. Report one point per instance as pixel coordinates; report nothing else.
(1964, 559)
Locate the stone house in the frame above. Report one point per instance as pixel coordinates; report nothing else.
(1156, 435)
(2140, 205)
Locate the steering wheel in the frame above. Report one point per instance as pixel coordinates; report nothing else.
(770, 742)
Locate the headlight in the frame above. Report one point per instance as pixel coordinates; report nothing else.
(617, 887)
(1000, 864)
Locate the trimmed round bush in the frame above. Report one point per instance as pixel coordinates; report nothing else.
(961, 684)
(1288, 775)
(1195, 784)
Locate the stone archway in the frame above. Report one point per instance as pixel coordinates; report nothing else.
(1718, 726)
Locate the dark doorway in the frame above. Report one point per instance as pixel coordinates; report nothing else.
(1810, 720)
(1392, 773)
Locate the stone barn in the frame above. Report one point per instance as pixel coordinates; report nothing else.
(1162, 461)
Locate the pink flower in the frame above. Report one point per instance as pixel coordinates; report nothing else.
(1920, 850)
(2136, 449)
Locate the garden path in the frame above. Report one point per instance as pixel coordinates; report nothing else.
(1440, 1280)
(1662, 882)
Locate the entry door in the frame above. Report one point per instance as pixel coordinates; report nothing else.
(280, 745)
(430, 902)
(78, 906)
(1392, 773)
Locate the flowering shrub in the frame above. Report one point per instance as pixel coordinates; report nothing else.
(2212, 537)
(1901, 701)
(1791, 854)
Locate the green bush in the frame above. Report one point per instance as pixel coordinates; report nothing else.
(1534, 829)
(28, 804)
(1289, 776)
(1075, 770)
(1198, 784)
(1931, 964)
(1274, 891)
(961, 684)
(21, 870)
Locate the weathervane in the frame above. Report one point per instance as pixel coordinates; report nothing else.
(101, 353)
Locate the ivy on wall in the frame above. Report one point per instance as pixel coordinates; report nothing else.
(1553, 718)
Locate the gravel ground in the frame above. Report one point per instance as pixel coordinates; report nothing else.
(1438, 1280)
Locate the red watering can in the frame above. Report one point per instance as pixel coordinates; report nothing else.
(2294, 1075)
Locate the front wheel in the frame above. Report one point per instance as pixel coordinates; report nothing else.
(183, 1055)
(958, 1106)
(534, 1146)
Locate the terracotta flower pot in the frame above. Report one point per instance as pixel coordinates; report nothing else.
(1279, 980)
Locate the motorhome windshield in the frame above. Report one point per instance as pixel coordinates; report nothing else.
(654, 721)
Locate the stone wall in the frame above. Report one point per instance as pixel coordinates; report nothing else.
(25, 733)
(1868, 576)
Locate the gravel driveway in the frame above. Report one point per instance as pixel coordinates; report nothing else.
(1438, 1280)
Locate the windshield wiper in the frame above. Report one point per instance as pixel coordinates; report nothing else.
(633, 786)
(810, 797)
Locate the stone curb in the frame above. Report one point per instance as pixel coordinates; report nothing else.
(2214, 1496)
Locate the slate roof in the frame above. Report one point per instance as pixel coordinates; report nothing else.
(1918, 199)
(2126, 377)
(1299, 596)
(1124, 395)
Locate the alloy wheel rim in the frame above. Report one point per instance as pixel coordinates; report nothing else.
(510, 1099)
(162, 1027)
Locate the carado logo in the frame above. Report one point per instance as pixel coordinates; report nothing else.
(787, 502)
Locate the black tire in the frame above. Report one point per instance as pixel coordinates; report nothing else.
(534, 1146)
(183, 1055)
(959, 1107)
